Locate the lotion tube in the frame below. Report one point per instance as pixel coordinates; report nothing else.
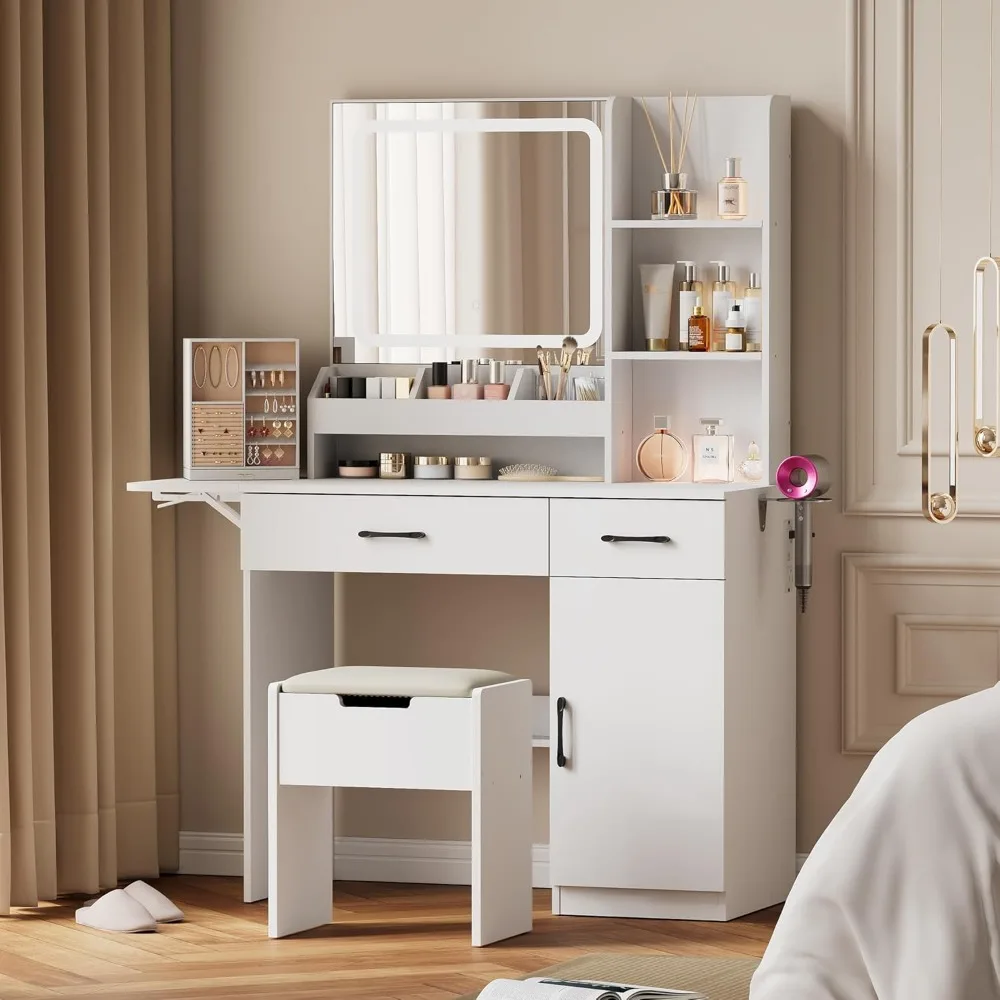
(657, 294)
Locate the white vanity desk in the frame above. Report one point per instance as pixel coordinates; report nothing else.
(678, 794)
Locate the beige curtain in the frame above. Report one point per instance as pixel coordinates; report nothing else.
(88, 773)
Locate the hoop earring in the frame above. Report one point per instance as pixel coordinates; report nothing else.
(231, 351)
(216, 351)
(194, 366)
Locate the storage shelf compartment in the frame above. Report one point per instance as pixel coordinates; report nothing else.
(717, 357)
(479, 418)
(686, 224)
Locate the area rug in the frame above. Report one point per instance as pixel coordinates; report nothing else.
(717, 978)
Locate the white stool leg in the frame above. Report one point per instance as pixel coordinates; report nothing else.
(501, 811)
(300, 843)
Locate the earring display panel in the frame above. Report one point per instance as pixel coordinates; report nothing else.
(241, 409)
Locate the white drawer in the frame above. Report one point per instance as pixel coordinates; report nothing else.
(488, 536)
(646, 539)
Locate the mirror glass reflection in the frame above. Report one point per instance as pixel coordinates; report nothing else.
(458, 233)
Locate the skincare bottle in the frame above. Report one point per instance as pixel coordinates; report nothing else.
(690, 295)
(657, 294)
(713, 454)
(469, 387)
(723, 290)
(439, 388)
(735, 330)
(661, 457)
(751, 312)
(732, 192)
(497, 387)
(699, 329)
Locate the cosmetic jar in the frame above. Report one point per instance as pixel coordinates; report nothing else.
(469, 387)
(497, 387)
(393, 465)
(439, 388)
(358, 468)
(432, 467)
(473, 467)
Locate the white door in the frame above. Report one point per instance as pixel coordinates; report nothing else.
(638, 801)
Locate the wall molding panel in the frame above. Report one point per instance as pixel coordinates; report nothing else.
(891, 280)
(918, 631)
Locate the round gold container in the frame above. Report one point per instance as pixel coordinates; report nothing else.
(473, 467)
(432, 467)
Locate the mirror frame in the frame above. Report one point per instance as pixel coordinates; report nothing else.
(487, 125)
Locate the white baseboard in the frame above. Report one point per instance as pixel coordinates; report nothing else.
(211, 854)
(361, 859)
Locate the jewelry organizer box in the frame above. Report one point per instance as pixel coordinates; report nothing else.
(241, 409)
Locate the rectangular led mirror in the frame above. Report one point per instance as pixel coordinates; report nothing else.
(461, 227)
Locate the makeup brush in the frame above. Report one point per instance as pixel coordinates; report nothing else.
(565, 363)
(543, 372)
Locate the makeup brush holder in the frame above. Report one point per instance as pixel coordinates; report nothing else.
(675, 200)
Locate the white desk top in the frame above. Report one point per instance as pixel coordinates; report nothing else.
(232, 490)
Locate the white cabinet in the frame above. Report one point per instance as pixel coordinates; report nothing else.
(639, 802)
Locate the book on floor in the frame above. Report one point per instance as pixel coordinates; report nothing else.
(544, 988)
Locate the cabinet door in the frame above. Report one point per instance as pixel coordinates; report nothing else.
(639, 802)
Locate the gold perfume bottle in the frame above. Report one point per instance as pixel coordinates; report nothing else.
(662, 457)
(723, 291)
(713, 454)
(732, 192)
(699, 330)
(752, 312)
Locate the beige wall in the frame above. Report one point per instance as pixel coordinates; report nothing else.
(252, 83)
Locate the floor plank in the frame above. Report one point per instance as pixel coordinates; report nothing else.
(387, 941)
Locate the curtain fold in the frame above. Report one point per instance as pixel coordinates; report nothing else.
(88, 765)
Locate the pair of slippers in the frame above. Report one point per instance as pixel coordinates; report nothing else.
(136, 908)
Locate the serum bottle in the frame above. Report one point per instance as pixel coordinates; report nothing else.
(732, 192)
(735, 330)
(723, 290)
(713, 454)
(699, 330)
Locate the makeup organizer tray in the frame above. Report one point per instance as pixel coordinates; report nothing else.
(241, 409)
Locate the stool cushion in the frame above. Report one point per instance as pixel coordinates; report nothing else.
(406, 682)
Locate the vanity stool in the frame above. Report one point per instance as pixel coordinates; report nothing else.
(399, 727)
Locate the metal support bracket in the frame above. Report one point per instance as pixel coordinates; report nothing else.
(219, 506)
(762, 511)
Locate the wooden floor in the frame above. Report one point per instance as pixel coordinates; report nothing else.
(401, 942)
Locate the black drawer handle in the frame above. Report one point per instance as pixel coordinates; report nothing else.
(392, 534)
(657, 539)
(560, 710)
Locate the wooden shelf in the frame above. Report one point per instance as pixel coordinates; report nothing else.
(696, 357)
(686, 224)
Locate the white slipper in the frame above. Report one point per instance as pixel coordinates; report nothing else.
(116, 911)
(160, 908)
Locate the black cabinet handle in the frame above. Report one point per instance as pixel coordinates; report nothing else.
(392, 534)
(658, 539)
(560, 710)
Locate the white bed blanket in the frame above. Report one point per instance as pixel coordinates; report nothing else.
(899, 899)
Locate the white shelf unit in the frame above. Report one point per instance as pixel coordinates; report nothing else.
(750, 392)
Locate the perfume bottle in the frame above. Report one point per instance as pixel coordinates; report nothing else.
(699, 330)
(735, 330)
(713, 454)
(690, 296)
(752, 468)
(732, 192)
(662, 457)
(751, 312)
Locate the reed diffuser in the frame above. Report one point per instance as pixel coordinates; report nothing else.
(675, 200)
